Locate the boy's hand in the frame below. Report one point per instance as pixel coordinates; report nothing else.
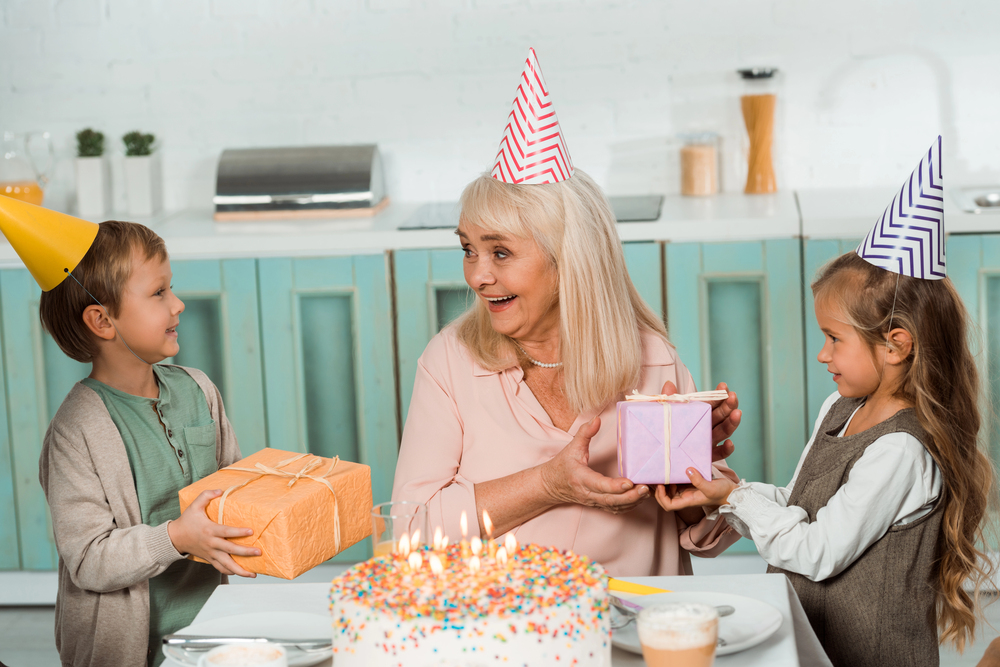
(194, 533)
(700, 493)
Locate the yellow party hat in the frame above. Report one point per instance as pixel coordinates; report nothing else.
(49, 243)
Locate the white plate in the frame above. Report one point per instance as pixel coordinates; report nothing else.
(752, 622)
(283, 624)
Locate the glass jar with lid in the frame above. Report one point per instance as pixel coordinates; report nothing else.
(758, 103)
(699, 163)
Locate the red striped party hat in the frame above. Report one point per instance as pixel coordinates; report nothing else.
(532, 150)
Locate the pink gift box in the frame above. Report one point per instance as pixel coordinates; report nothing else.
(658, 442)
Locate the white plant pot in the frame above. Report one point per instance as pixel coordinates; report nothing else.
(142, 185)
(93, 187)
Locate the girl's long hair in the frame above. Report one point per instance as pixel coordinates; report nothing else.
(601, 315)
(941, 382)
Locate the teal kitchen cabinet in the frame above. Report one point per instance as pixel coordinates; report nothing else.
(329, 377)
(431, 292)
(10, 554)
(734, 311)
(819, 382)
(38, 376)
(218, 334)
(974, 268)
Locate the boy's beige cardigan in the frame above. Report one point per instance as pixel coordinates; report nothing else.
(106, 553)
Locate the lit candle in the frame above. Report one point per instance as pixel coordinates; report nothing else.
(415, 540)
(404, 545)
(438, 539)
(502, 556)
(474, 564)
(444, 542)
(436, 566)
(477, 546)
(415, 560)
(510, 543)
(491, 548)
(464, 544)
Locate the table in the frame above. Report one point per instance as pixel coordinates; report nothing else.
(793, 645)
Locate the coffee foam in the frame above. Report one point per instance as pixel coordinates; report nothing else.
(240, 656)
(678, 626)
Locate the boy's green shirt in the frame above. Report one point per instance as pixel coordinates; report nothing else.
(170, 442)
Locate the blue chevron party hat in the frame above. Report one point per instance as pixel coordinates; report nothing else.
(909, 237)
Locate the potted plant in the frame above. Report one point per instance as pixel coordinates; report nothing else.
(93, 191)
(142, 177)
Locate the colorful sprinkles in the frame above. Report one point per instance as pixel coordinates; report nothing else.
(560, 593)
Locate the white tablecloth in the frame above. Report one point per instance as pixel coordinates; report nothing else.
(793, 645)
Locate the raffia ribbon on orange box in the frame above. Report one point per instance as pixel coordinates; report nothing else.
(301, 514)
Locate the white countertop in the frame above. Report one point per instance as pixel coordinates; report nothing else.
(850, 213)
(193, 234)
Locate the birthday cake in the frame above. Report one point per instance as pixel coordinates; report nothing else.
(538, 606)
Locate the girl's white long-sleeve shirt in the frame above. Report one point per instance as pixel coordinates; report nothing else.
(894, 482)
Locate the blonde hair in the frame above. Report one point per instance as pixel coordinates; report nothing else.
(941, 382)
(601, 315)
(104, 271)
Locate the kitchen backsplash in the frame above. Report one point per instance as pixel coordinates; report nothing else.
(865, 85)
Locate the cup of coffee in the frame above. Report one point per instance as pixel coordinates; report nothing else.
(262, 654)
(679, 634)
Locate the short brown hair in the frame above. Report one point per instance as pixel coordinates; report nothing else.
(104, 271)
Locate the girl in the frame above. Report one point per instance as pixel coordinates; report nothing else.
(877, 530)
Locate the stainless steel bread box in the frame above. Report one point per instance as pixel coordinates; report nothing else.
(299, 182)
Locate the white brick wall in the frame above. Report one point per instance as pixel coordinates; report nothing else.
(866, 85)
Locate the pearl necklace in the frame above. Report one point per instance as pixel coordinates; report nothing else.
(538, 363)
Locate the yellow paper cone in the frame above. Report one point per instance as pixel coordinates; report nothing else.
(47, 242)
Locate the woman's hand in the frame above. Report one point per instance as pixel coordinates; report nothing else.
(568, 479)
(700, 493)
(726, 417)
(194, 533)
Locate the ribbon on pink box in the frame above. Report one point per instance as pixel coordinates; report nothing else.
(660, 437)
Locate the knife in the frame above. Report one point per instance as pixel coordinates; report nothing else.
(203, 643)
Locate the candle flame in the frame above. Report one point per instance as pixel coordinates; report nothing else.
(502, 556)
(404, 545)
(464, 521)
(474, 564)
(477, 546)
(436, 566)
(510, 543)
(415, 539)
(437, 538)
(487, 524)
(444, 542)
(415, 560)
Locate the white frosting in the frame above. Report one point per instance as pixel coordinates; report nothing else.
(541, 608)
(678, 626)
(385, 641)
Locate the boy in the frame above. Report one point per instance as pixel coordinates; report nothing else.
(122, 444)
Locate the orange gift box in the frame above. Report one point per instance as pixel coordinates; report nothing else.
(303, 509)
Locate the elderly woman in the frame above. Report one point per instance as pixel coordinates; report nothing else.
(557, 335)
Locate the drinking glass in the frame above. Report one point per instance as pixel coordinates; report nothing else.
(679, 634)
(392, 520)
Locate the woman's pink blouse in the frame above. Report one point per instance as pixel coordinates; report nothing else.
(468, 425)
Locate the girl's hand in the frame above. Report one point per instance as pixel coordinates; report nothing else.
(726, 417)
(194, 533)
(566, 478)
(701, 493)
